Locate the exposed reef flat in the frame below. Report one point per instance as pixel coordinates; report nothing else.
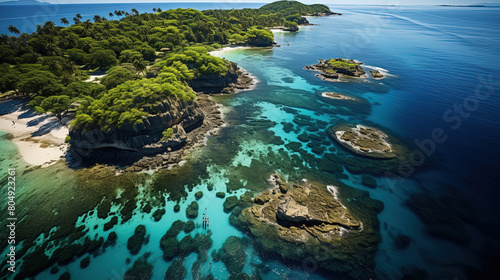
(337, 96)
(335, 68)
(311, 221)
(366, 141)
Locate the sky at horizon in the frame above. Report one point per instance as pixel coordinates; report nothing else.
(327, 2)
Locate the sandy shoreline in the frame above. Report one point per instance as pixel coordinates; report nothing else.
(39, 138)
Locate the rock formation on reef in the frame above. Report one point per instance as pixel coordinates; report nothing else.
(376, 74)
(366, 141)
(334, 68)
(310, 221)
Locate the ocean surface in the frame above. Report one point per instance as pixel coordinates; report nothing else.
(441, 67)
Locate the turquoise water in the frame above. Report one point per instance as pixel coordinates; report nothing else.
(433, 58)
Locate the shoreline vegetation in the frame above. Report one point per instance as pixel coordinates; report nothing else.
(117, 86)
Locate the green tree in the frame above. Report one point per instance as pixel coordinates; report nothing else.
(57, 104)
(13, 29)
(140, 65)
(64, 21)
(103, 58)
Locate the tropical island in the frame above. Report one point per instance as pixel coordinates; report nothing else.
(335, 68)
(133, 85)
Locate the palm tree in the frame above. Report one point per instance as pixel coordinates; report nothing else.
(111, 15)
(135, 11)
(64, 21)
(159, 10)
(76, 20)
(140, 65)
(154, 10)
(78, 16)
(97, 18)
(14, 30)
(69, 67)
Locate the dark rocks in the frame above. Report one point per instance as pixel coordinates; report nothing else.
(402, 241)
(189, 226)
(177, 208)
(140, 270)
(84, 263)
(369, 181)
(134, 243)
(158, 214)
(233, 254)
(65, 276)
(444, 216)
(198, 195)
(111, 241)
(230, 203)
(111, 223)
(303, 137)
(220, 194)
(192, 210)
(176, 271)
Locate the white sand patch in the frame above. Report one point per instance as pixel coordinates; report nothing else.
(39, 138)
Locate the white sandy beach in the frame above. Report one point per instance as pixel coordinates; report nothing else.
(39, 138)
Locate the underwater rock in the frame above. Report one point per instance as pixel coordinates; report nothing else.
(192, 210)
(111, 241)
(65, 276)
(189, 226)
(198, 195)
(366, 141)
(84, 263)
(220, 194)
(233, 254)
(303, 137)
(111, 223)
(402, 241)
(177, 208)
(158, 214)
(176, 271)
(134, 243)
(230, 203)
(368, 181)
(140, 270)
(444, 216)
(310, 221)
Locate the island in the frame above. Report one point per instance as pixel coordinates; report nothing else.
(376, 74)
(335, 68)
(366, 141)
(134, 90)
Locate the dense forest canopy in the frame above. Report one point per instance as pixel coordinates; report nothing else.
(147, 57)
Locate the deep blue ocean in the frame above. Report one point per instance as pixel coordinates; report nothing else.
(442, 74)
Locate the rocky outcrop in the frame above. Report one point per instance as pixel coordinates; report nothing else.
(367, 141)
(376, 74)
(310, 221)
(235, 79)
(144, 137)
(334, 68)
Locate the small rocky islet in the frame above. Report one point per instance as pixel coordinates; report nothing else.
(334, 69)
(366, 141)
(312, 221)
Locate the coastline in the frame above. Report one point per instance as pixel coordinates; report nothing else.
(39, 138)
